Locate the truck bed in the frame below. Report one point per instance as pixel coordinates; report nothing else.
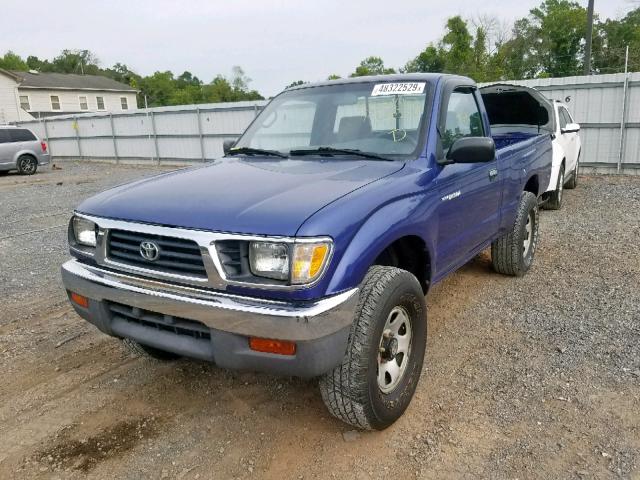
(503, 140)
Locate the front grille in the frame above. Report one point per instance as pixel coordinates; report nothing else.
(159, 321)
(234, 257)
(176, 255)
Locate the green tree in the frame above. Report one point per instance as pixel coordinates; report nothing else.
(480, 59)
(239, 81)
(517, 55)
(35, 63)
(456, 43)
(431, 59)
(548, 42)
(295, 84)
(333, 76)
(611, 40)
(12, 61)
(559, 43)
(371, 66)
(76, 61)
(159, 88)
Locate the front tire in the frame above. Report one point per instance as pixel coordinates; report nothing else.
(555, 198)
(27, 165)
(512, 254)
(378, 376)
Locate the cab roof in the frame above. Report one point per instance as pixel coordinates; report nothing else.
(396, 77)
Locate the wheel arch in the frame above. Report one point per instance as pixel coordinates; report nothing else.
(533, 185)
(409, 253)
(388, 236)
(25, 153)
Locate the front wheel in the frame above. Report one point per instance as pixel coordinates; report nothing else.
(377, 378)
(512, 254)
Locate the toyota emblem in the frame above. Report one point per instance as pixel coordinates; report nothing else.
(149, 251)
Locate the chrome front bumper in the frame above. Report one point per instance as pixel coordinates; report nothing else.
(248, 316)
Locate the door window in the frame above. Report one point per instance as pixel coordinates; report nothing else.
(4, 135)
(563, 117)
(463, 118)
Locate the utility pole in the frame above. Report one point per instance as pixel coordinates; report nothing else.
(587, 47)
(623, 118)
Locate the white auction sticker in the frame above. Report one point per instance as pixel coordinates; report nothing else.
(401, 88)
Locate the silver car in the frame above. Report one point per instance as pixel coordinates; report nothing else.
(21, 150)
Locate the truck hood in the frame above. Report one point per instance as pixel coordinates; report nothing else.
(239, 195)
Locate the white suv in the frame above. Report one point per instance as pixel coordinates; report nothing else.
(566, 156)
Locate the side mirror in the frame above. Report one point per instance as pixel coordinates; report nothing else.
(226, 145)
(472, 150)
(571, 128)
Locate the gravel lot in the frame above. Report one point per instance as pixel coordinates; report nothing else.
(537, 377)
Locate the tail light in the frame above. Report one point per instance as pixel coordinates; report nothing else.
(43, 144)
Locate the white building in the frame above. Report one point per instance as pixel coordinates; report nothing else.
(29, 95)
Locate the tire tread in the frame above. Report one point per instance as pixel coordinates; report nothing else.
(342, 389)
(506, 251)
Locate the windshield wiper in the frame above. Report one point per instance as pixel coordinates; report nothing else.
(255, 151)
(338, 151)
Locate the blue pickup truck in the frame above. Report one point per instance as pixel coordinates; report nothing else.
(308, 248)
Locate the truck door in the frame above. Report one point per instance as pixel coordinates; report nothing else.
(469, 194)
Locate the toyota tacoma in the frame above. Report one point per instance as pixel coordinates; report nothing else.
(308, 248)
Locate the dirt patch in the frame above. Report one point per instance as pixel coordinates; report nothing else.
(84, 454)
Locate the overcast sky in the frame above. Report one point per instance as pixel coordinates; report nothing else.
(275, 42)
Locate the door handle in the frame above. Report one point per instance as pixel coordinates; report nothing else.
(493, 173)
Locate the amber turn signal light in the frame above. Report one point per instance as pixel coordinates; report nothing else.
(79, 299)
(280, 347)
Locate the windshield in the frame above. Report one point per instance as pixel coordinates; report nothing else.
(383, 119)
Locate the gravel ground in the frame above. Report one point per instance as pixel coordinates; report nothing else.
(537, 377)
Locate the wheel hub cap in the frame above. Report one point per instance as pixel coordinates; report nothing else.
(394, 349)
(528, 236)
(389, 348)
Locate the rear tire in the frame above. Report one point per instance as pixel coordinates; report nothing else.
(27, 165)
(378, 376)
(555, 198)
(512, 254)
(149, 352)
(573, 183)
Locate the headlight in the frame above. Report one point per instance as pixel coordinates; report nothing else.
(84, 231)
(269, 260)
(300, 263)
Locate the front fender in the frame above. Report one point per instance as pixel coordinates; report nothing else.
(389, 223)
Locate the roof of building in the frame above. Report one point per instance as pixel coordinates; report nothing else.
(67, 81)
